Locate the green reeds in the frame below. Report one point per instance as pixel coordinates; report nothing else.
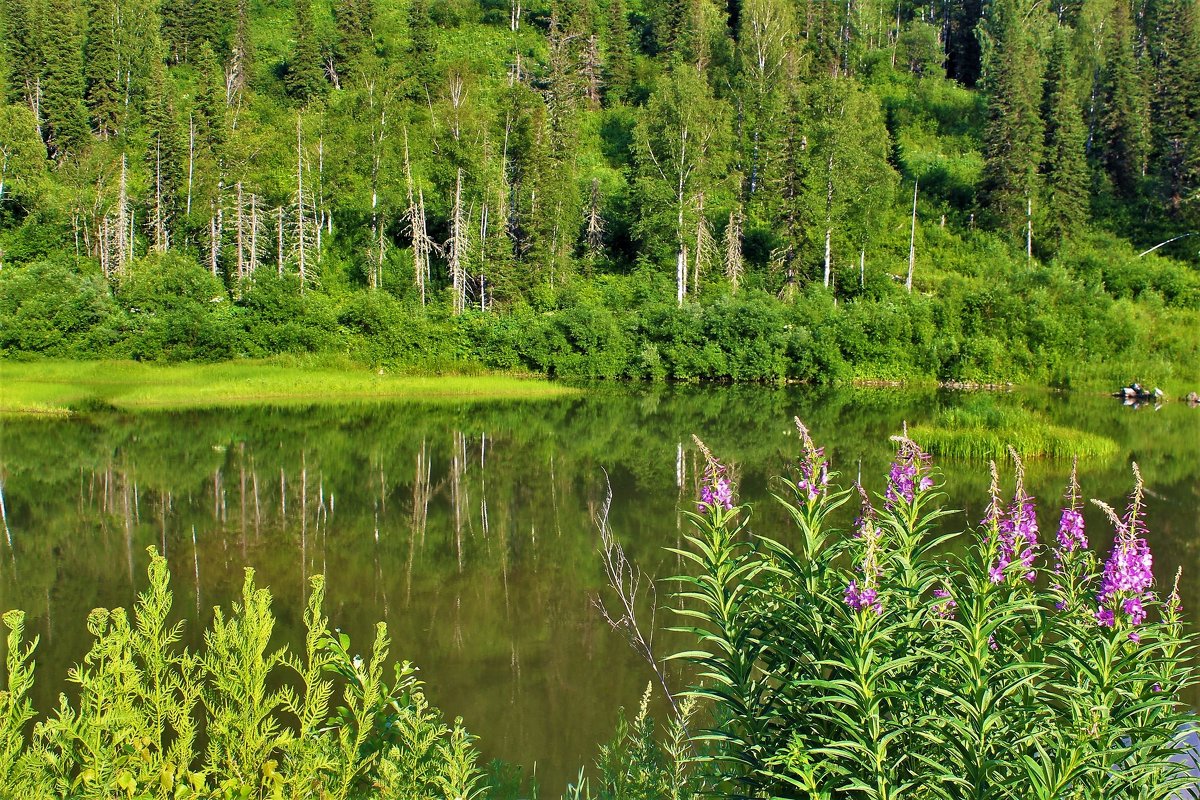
(983, 433)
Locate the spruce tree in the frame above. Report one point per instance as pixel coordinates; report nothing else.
(23, 21)
(618, 62)
(104, 92)
(1125, 135)
(176, 19)
(62, 105)
(210, 100)
(354, 20)
(1066, 173)
(1014, 132)
(963, 58)
(165, 159)
(305, 76)
(1175, 109)
(241, 59)
(422, 48)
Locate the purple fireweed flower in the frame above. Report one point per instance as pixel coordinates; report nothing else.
(1129, 570)
(944, 609)
(1070, 531)
(860, 596)
(909, 473)
(1016, 532)
(814, 467)
(1071, 535)
(716, 490)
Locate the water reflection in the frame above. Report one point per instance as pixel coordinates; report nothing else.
(470, 529)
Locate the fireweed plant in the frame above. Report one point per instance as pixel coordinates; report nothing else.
(892, 660)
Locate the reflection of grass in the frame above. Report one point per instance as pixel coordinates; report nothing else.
(58, 387)
(987, 431)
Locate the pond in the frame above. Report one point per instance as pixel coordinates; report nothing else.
(471, 529)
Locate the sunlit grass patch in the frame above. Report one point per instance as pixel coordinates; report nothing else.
(57, 387)
(988, 431)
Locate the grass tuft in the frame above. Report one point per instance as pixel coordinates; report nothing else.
(986, 432)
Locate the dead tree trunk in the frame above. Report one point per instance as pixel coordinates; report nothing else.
(457, 248)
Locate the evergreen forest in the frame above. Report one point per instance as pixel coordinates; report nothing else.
(664, 189)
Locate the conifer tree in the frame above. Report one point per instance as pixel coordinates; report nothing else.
(1175, 109)
(422, 48)
(618, 62)
(63, 84)
(176, 17)
(963, 55)
(210, 101)
(1014, 132)
(103, 66)
(1125, 135)
(21, 26)
(305, 76)
(164, 159)
(354, 20)
(241, 59)
(1066, 174)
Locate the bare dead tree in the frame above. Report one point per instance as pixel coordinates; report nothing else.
(159, 220)
(592, 71)
(706, 245)
(456, 248)
(421, 243)
(377, 135)
(594, 221)
(627, 583)
(301, 243)
(239, 227)
(734, 263)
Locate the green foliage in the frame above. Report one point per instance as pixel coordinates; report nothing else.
(896, 660)
(142, 700)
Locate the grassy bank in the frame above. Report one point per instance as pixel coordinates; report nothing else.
(59, 387)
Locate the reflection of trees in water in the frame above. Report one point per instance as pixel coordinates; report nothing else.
(469, 529)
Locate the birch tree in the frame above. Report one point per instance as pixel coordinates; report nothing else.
(848, 178)
(681, 148)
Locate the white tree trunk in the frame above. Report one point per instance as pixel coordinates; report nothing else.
(912, 240)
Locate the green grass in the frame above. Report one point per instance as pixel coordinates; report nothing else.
(987, 431)
(60, 387)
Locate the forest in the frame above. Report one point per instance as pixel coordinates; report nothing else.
(665, 189)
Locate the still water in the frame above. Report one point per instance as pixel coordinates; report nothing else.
(471, 529)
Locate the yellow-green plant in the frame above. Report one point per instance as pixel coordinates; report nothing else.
(144, 702)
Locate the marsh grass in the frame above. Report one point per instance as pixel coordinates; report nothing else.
(61, 387)
(982, 432)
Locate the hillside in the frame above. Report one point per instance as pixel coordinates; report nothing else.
(629, 188)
